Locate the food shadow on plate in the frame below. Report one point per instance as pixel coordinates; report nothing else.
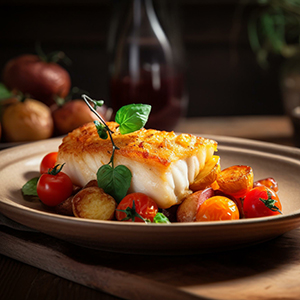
(31, 174)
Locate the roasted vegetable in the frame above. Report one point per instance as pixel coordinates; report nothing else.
(268, 182)
(187, 210)
(208, 175)
(65, 207)
(236, 180)
(93, 203)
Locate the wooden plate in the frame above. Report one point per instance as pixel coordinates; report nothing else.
(21, 163)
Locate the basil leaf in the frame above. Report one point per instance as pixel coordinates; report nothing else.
(4, 92)
(101, 129)
(114, 181)
(29, 188)
(161, 218)
(132, 117)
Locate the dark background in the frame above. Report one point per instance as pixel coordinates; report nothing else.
(223, 76)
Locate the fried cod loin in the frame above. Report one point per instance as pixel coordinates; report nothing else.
(163, 164)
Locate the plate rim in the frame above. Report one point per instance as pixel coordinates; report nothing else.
(131, 231)
(223, 141)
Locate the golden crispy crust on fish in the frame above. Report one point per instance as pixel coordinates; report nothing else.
(151, 147)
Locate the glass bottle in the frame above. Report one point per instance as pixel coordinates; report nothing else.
(146, 60)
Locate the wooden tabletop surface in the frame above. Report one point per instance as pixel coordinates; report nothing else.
(35, 266)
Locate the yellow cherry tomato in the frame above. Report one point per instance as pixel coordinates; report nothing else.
(218, 208)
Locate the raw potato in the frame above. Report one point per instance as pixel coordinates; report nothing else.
(27, 121)
(187, 210)
(93, 203)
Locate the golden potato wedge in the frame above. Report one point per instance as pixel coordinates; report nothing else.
(187, 210)
(93, 203)
(208, 175)
(236, 180)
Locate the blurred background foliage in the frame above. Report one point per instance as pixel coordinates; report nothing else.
(274, 29)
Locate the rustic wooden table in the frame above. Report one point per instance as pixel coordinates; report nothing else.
(36, 266)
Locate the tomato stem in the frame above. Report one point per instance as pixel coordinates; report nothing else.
(131, 213)
(53, 57)
(270, 203)
(55, 170)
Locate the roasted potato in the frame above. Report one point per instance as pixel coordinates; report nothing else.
(93, 203)
(187, 210)
(65, 207)
(268, 182)
(235, 180)
(91, 183)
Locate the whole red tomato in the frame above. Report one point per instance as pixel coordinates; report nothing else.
(72, 115)
(40, 79)
(48, 162)
(54, 187)
(136, 207)
(261, 201)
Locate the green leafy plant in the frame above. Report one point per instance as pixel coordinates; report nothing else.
(161, 218)
(274, 28)
(5, 92)
(116, 181)
(29, 188)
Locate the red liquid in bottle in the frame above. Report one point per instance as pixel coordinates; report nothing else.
(165, 95)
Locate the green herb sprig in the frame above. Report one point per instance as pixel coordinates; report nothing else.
(116, 181)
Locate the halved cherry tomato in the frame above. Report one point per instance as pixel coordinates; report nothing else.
(48, 162)
(54, 187)
(261, 201)
(217, 208)
(236, 180)
(136, 207)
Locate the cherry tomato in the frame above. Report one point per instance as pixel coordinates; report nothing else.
(48, 162)
(236, 200)
(217, 208)
(135, 205)
(261, 201)
(53, 189)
